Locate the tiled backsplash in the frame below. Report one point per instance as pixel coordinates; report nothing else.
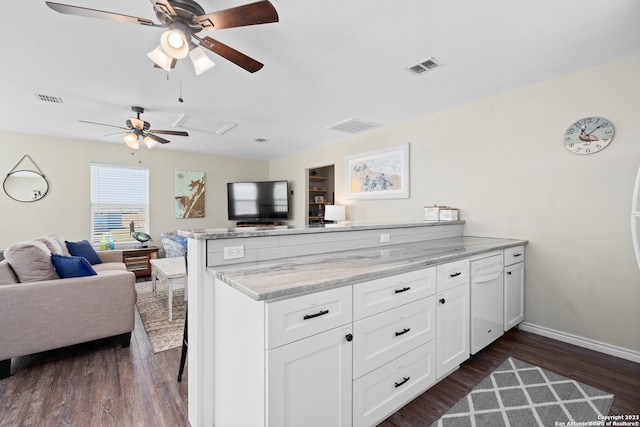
(275, 247)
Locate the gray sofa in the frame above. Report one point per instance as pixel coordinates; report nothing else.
(40, 311)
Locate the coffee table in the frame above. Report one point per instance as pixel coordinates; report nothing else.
(172, 273)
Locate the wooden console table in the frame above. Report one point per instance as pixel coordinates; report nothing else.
(137, 259)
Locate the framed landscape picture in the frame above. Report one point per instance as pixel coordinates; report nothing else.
(382, 174)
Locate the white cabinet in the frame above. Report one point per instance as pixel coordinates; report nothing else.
(309, 381)
(452, 316)
(394, 346)
(283, 363)
(513, 286)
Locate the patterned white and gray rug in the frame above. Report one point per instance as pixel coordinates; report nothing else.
(518, 394)
(154, 313)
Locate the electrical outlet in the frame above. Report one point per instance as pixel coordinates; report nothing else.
(384, 238)
(232, 252)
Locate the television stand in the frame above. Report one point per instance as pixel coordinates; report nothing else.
(257, 223)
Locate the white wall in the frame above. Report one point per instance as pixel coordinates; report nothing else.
(503, 163)
(66, 208)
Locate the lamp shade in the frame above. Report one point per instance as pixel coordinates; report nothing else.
(175, 41)
(160, 58)
(334, 213)
(150, 141)
(200, 60)
(132, 141)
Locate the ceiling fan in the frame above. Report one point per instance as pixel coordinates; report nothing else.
(183, 20)
(137, 129)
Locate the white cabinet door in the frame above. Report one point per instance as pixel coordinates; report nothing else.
(452, 320)
(513, 295)
(309, 381)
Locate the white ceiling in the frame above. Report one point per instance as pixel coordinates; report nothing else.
(325, 61)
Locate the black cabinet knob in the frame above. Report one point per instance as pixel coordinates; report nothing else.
(349, 337)
(442, 301)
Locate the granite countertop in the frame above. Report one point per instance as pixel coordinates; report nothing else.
(282, 230)
(264, 280)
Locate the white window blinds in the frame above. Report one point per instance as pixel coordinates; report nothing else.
(119, 196)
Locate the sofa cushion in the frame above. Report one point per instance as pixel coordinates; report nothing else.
(72, 266)
(51, 244)
(31, 261)
(109, 266)
(7, 276)
(58, 238)
(84, 249)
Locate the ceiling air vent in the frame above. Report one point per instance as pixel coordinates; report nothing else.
(48, 98)
(260, 140)
(353, 125)
(203, 125)
(426, 65)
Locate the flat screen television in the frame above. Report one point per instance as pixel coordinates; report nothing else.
(258, 201)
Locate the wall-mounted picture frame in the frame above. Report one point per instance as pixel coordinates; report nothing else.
(189, 194)
(382, 174)
(319, 199)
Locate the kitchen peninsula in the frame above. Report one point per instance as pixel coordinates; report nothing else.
(290, 324)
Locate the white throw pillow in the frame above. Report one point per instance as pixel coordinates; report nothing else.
(31, 261)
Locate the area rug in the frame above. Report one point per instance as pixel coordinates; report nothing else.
(154, 312)
(518, 394)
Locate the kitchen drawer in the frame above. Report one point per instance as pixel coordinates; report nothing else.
(381, 338)
(295, 318)
(513, 255)
(383, 391)
(378, 295)
(452, 274)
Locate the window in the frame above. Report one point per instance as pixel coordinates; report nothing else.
(119, 196)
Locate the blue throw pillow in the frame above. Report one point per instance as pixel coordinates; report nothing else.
(85, 250)
(72, 266)
(182, 240)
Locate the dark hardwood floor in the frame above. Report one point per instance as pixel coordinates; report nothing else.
(102, 384)
(96, 384)
(611, 374)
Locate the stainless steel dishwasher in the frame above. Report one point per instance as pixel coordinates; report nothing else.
(487, 291)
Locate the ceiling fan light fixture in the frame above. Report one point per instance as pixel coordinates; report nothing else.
(201, 62)
(175, 41)
(150, 141)
(160, 58)
(132, 141)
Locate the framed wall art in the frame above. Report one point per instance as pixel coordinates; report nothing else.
(189, 194)
(382, 174)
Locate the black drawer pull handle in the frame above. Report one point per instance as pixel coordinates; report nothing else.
(515, 255)
(404, 331)
(404, 380)
(311, 316)
(455, 274)
(397, 291)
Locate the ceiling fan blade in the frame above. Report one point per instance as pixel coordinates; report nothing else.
(94, 13)
(117, 134)
(163, 6)
(261, 12)
(170, 132)
(229, 53)
(102, 124)
(157, 138)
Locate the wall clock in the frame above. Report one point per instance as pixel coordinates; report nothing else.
(588, 135)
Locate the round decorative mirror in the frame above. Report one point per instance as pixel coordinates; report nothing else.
(25, 185)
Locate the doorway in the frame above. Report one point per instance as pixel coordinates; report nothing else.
(321, 186)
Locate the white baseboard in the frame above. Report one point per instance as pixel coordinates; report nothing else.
(605, 348)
